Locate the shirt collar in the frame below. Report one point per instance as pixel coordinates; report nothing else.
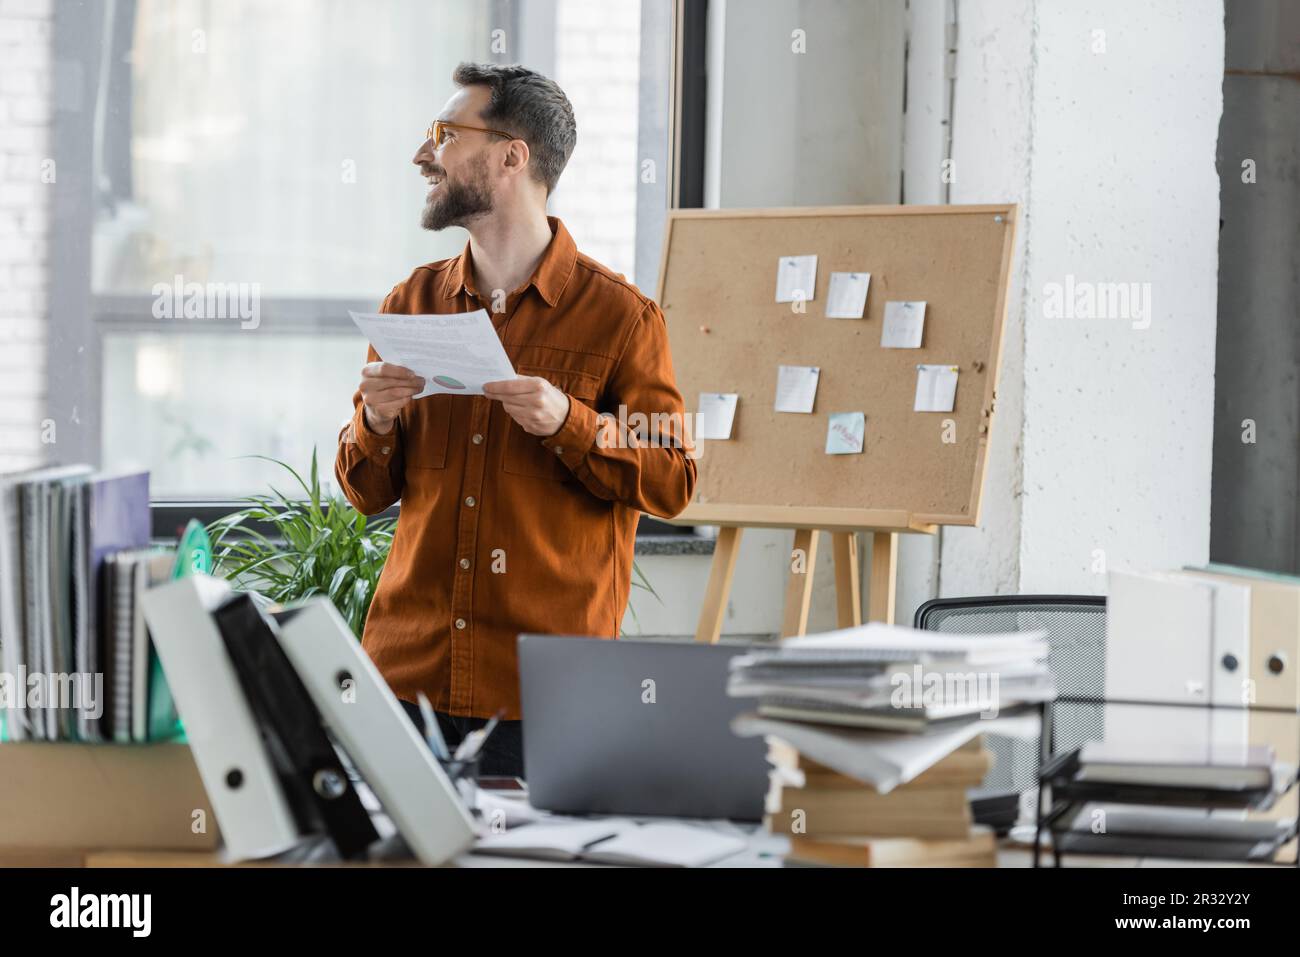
(549, 278)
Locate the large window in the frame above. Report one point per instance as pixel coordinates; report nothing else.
(258, 155)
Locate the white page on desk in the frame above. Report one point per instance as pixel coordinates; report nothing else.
(796, 388)
(666, 845)
(904, 325)
(717, 413)
(936, 388)
(455, 353)
(796, 278)
(847, 296)
(509, 808)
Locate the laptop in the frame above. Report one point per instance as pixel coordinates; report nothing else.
(636, 727)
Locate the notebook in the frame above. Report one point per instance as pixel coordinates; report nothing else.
(617, 841)
(565, 841)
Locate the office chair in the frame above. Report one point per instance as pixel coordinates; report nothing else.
(1076, 637)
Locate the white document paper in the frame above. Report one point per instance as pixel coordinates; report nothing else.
(876, 641)
(509, 808)
(845, 432)
(904, 325)
(717, 413)
(936, 388)
(796, 278)
(884, 759)
(796, 388)
(455, 353)
(847, 296)
(666, 845)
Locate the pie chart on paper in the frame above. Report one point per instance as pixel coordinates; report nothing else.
(447, 382)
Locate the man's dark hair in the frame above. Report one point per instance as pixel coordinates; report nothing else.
(530, 106)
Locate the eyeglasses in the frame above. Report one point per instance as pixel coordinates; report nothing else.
(438, 132)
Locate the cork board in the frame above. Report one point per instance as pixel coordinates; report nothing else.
(717, 289)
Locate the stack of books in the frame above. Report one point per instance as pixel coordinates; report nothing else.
(836, 820)
(74, 650)
(875, 735)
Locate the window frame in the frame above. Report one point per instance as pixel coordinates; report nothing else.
(92, 82)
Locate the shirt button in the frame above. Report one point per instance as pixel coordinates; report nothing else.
(469, 500)
(477, 439)
(460, 622)
(385, 450)
(464, 563)
(559, 451)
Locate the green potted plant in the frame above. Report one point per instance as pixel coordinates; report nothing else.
(318, 545)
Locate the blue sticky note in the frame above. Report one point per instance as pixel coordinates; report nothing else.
(845, 432)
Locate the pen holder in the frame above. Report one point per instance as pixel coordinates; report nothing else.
(463, 772)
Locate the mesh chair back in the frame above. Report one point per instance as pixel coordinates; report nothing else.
(1076, 636)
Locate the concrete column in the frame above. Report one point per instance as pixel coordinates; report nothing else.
(1122, 195)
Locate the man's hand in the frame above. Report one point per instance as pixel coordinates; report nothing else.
(386, 389)
(539, 407)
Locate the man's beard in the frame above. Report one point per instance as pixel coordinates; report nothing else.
(456, 203)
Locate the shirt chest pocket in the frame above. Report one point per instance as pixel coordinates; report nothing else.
(524, 453)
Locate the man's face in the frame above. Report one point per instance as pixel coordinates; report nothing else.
(460, 188)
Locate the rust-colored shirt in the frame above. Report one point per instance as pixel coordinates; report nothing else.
(501, 532)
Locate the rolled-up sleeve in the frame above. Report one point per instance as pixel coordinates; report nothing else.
(639, 454)
(369, 466)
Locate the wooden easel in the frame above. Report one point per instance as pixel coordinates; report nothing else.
(881, 590)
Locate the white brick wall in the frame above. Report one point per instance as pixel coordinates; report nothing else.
(26, 66)
(597, 56)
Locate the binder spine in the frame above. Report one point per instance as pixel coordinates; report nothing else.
(313, 777)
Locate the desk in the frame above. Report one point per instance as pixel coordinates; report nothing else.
(1010, 855)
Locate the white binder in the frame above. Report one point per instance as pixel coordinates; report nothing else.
(1159, 638)
(1273, 648)
(1168, 636)
(251, 810)
(1230, 653)
(368, 721)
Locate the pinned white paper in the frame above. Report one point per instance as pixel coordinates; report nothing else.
(796, 388)
(847, 296)
(936, 388)
(845, 432)
(717, 413)
(904, 325)
(796, 278)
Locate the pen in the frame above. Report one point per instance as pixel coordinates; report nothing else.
(474, 741)
(432, 733)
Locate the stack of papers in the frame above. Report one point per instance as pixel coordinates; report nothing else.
(882, 703)
(1182, 763)
(883, 759)
(881, 676)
